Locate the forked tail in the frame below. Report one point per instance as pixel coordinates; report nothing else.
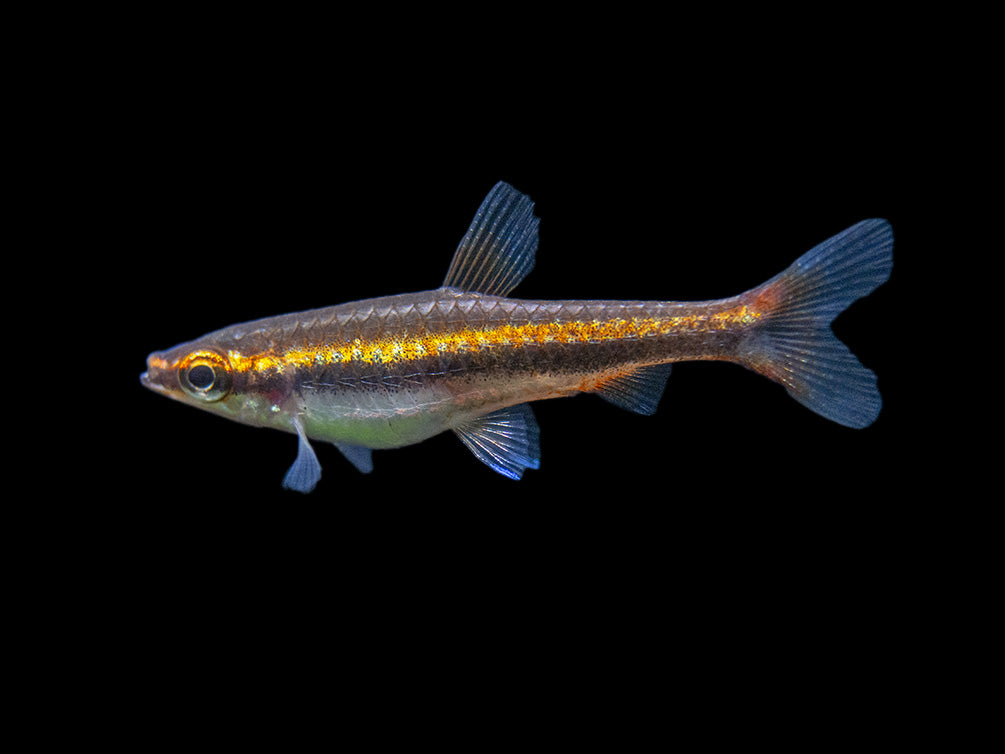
(794, 344)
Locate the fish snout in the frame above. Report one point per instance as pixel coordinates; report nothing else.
(159, 374)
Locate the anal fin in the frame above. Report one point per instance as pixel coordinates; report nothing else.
(507, 440)
(639, 390)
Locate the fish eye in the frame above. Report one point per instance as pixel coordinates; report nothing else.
(205, 375)
(201, 376)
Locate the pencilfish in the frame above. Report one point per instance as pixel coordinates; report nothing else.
(393, 371)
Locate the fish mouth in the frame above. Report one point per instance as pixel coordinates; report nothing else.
(154, 377)
(148, 382)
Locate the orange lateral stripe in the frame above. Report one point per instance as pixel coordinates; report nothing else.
(390, 350)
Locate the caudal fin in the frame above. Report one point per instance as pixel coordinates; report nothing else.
(794, 344)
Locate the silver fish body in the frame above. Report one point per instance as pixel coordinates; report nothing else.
(393, 371)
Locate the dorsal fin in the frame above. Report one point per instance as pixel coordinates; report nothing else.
(498, 250)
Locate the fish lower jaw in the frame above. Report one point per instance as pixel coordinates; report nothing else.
(152, 384)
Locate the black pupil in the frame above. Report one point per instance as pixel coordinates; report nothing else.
(201, 377)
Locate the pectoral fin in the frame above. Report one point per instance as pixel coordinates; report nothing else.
(305, 472)
(508, 440)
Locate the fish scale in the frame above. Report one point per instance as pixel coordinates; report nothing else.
(393, 371)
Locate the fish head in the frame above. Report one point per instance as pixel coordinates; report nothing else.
(210, 374)
(195, 373)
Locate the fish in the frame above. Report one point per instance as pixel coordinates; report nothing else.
(393, 371)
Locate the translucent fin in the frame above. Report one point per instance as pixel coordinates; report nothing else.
(508, 440)
(358, 456)
(498, 250)
(639, 391)
(795, 345)
(305, 472)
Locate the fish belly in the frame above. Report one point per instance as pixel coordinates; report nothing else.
(378, 415)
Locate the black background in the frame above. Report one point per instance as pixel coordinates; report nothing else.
(734, 539)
